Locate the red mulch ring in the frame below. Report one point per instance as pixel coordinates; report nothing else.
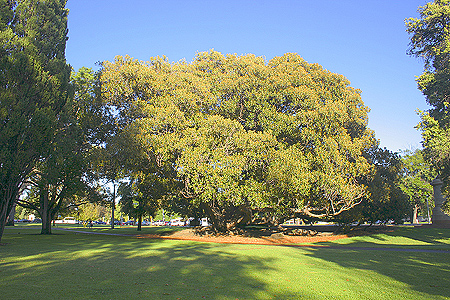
(277, 239)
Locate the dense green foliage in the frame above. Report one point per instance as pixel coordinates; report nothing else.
(91, 212)
(430, 40)
(415, 182)
(243, 139)
(386, 201)
(141, 196)
(63, 179)
(34, 88)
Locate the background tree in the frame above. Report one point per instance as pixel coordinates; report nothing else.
(99, 125)
(415, 182)
(430, 40)
(63, 177)
(91, 211)
(22, 213)
(141, 196)
(385, 200)
(34, 87)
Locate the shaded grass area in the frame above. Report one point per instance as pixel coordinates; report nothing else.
(132, 230)
(103, 229)
(425, 238)
(67, 265)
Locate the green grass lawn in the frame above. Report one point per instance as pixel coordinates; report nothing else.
(117, 229)
(69, 265)
(403, 237)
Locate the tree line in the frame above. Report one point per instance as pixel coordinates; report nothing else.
(237, 139)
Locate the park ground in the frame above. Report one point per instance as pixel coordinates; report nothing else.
(161, 263)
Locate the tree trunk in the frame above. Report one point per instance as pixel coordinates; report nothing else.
(139, 227)
(414, 214)
(229, 218)
(213, 217)
(113, 206)
(10, 221)
(44, 211)
(46, 222)
(6, 204)
(3, 216)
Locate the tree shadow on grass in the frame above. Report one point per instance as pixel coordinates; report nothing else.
(426, 234)
(409, 237)
(75, 266)
(423, 272)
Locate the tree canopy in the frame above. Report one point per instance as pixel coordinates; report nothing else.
(241, 137)
(415, 182)
(385, 200)
(34, 87)
(63, 177)
(430, 40)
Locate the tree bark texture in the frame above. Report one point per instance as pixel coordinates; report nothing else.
(6, 205)
(414, 214)
(10, 221)
(139, 227)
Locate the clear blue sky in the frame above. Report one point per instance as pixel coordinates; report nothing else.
(364, 40)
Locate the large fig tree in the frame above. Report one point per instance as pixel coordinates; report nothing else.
(247, 140)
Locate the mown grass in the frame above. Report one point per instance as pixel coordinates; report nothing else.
(123, 229)
(401, 237)
(70, 265)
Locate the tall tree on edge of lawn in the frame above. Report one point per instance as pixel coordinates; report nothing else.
(430, 40)
(34, 87)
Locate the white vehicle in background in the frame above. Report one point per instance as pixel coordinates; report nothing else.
(66, 220)
(177, 222)
(159, 223)
(204, 222)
